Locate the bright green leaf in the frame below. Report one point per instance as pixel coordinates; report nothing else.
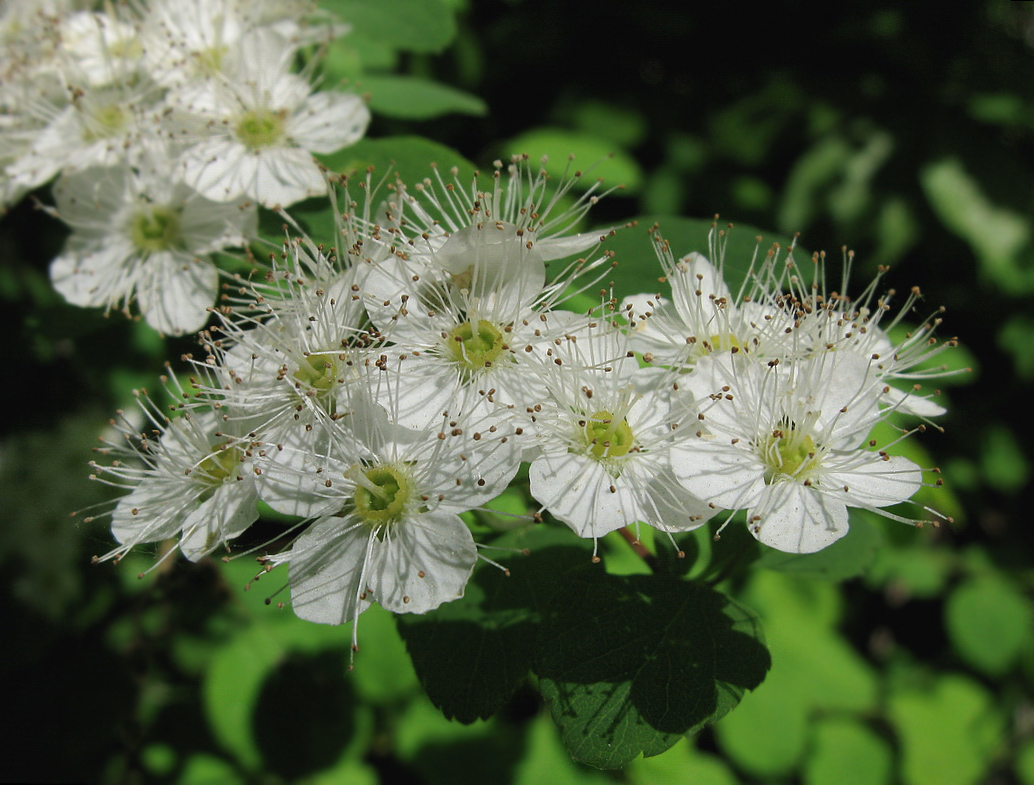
(413, 98)
(997, 234)
(415, 25)
(681, 765)
(546, 761)
(948, 732)
(597, 157)
(989, 622)
(846, 752)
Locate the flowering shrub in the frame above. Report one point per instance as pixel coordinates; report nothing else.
(379, 380)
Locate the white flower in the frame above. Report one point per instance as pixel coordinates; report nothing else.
(465, 297)
(196, 482)
(604, 432)
(702, 315)
(385, 507)
(257, 126)
(787, 445)
(138, 236)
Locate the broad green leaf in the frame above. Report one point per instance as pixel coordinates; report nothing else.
(847, 557)
(638, 269)
(989, 622)
(635, 662)
(911, 571)
(681, 765)
(411, 158)
(596, 157)
(472, 654)
(1025, 763)
(204, 769)
(414, 25)
(948, 733)
(413, 98)
(846, 752)
(815, 669)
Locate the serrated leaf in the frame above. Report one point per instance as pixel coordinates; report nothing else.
(413, 98)
(414, 25)
(472, 654)
(847, 557)
(635, 662)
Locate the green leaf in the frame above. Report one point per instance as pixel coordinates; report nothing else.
(845, 752)
(638, 269)
(948, 734)
(635, 662)
(847, 557)
(473, 653)
(594, 156)
(412, 158)
(415, 25)
(546, 761)
(989, 622)
(413, 98)
(997, 234)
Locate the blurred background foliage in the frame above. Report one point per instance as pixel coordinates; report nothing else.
(904, 131)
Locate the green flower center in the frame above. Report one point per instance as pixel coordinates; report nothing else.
(475, 350)
(210, 61)
(260, 128)
(218, 467)
(789, 454)
(381, 494)
(104, 121)
(608, 437)
(318, 371)
(156, 229)
(723, 342)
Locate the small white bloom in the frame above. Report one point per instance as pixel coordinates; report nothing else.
(385, 507)
(257, 127)
(786, 445)
(138, 236)
(196, 483)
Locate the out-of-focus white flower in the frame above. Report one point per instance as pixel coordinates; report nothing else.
(188, 479)
(256, 126)
(137, 236)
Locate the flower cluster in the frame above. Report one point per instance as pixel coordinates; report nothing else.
(378, 389)
(165, 124)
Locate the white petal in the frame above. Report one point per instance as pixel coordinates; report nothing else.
(796, 519)
(326, 570)
(176, 291)
(423, 561)
(224, 516)
(878, 483)
(576, 490)
(721, 474)
(328, 121)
